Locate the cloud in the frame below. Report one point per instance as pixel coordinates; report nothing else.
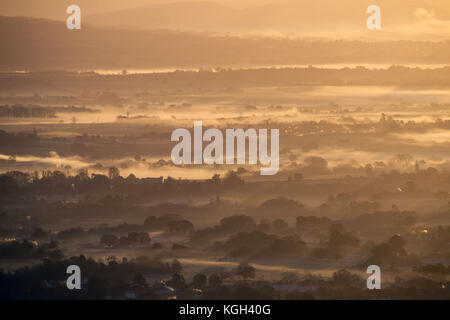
(427, 18)
(425, 25)
(423, 14)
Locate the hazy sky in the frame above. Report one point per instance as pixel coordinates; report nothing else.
(426, 19)
(47, 8)
(50, 7)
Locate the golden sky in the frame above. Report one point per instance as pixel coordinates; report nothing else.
(425, 19)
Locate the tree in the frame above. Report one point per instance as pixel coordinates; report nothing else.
(199, 281)
(237, 222)
(232, 179)
(216, 178)
(246, 271)
(344, 277)
(139, 238)
(113, 173)
(180, 226)
(152, 223)
(280, 224)
(109, 240)
(341, 239)
(215, 281)
(389, 253)
(176, 267)
(177, 281)
(297, 176)
(139, 280)
(316, 164)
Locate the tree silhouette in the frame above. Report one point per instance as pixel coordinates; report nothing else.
(176, 267)
(246, 271)
(199, 281)
(139, 280)
(215, 281)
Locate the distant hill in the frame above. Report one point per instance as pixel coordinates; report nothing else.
(198, 15)
(56, 9)
(44, 44)
(322, 17)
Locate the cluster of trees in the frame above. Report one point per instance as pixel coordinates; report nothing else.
(115, 279)
(132, 240)
(212, 282)
(200, 281)
(17, 138)
(99, 279)
(267, 77)
(260, 246)
(59, 183)
(437, 268)
(171, 222)
(136, 234)
(33, 111)
(226, 227)
(20, 111)
(388, 254)
(24, 249)
(276, 239)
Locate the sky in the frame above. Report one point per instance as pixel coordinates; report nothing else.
(401, 19)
